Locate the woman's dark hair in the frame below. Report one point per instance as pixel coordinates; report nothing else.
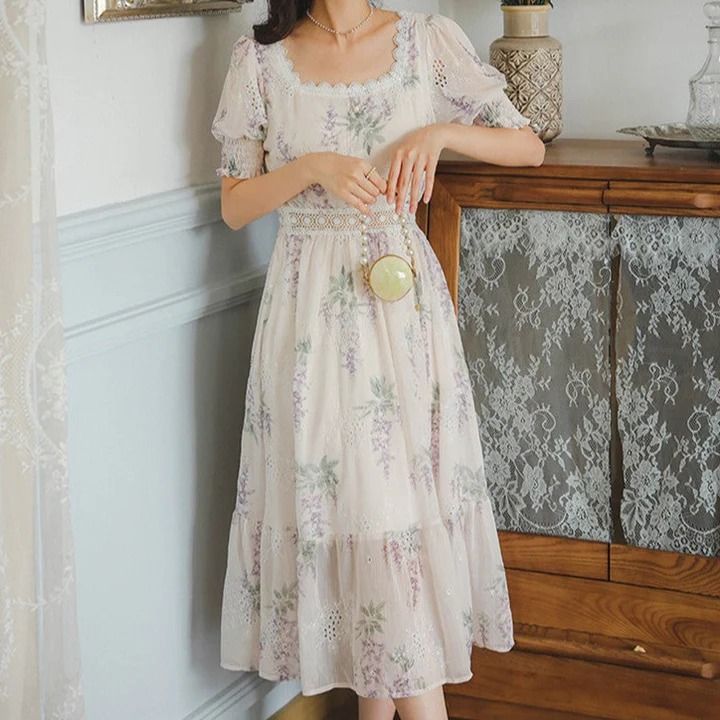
(281, 19)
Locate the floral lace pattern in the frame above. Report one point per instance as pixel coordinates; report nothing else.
(363, 550)
(40, 663)
(668, 382)
(540, 372)
(456, 72)
(534, 307)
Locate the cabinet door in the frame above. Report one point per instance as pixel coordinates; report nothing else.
(668, 381)
(534, 313)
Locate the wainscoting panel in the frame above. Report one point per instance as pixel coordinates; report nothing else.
(141, 266)
(160, 301)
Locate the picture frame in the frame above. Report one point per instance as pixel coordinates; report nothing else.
(97, 11)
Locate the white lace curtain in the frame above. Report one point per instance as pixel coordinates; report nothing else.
(39, 648)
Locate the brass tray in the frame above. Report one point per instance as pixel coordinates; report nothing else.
(674, 135)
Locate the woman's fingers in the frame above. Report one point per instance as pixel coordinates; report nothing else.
(417, 176)
(379, 181)
(356, 202)
(358, 188)
(393, 174)
(406, 173)
(429, 178)
(376, 180)
(367, 184)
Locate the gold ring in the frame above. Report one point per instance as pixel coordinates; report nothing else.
(367, 174)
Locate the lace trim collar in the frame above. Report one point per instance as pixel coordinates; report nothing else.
(389, 77)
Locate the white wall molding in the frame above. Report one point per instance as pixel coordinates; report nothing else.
(139, 267)
(103, 333)
(101, 229)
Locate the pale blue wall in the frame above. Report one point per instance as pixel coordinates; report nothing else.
(160, 307)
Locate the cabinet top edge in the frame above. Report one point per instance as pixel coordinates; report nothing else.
(599, 160)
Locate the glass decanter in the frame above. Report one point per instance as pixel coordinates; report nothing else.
(703, 119)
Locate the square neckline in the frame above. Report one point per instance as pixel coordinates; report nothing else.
(325, 86)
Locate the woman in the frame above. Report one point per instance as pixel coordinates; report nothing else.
(363, 551)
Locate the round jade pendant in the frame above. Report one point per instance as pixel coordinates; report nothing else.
(390, 277)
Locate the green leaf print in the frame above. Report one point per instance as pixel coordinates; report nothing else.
(300, 380)
(285, 598)
(340, 292)
(320, 477)
(339, 308)
(385, 410)
(401, 658)
(470, 485)
(257, 413)
(365, 121)
(306, 554)
(372, 620)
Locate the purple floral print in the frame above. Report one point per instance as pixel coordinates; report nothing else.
(279, 637)
(257, 413)
(340, 312)
(242, 501)
(403, 548)
(384, 410)
(330, 128)
(293, 252)
(369, 629)
(300, 380)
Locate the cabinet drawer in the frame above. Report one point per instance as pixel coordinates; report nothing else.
(663, 198)
(527, 193)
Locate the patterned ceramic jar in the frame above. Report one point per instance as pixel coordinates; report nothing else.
(531, 61)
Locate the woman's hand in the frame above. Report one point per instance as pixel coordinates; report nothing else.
(415, 154)
(344, 176)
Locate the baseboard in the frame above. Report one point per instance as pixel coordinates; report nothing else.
(235, 700)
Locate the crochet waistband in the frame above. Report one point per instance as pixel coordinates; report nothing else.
(339, 218)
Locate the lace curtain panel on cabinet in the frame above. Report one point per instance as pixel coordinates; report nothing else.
(39, 653)
(534, 313)
(668, 382)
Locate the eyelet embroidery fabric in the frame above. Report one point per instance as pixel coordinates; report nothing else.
(362, 550)
(240, 123)
(466, 89)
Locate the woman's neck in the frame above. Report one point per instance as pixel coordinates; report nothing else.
(340, 14)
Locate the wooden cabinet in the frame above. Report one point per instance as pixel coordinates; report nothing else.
(602, 629)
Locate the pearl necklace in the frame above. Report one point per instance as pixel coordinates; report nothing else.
(341, 32)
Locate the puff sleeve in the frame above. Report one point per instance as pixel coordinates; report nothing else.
(240, 123)
(464, 88)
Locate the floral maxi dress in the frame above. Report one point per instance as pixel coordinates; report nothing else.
(363, 550)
